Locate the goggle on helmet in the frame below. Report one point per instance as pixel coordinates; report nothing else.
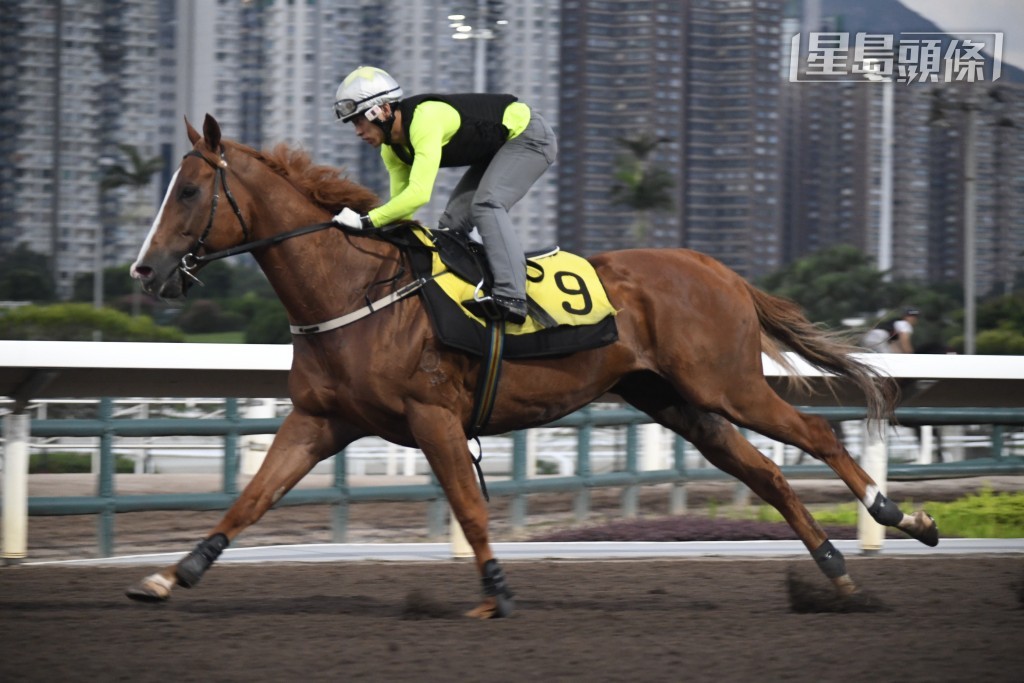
(363, 89)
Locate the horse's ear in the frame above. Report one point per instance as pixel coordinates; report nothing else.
(193, 134)
(211, 132)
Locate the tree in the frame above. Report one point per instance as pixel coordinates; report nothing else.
(136, 174)
(206, 315)
(269, 326)
(832, 285)
(25, 275)
(1003, 312)
(641, 185)
(116, 283)
(842, 283)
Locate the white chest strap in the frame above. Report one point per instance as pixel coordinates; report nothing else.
(349, 318)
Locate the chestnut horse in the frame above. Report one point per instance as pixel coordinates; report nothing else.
(691, 335)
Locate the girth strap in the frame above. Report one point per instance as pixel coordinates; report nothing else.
(486, 390)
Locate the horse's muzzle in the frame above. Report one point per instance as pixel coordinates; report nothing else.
(171, 285)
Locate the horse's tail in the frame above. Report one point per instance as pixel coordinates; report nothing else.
(782, 322)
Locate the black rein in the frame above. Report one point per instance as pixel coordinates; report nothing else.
(192, 260)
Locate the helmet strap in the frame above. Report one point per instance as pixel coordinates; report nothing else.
(386, 125)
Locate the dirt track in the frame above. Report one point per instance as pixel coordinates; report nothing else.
(693, 620)
(944, 619)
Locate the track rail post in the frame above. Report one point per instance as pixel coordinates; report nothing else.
(15, 487)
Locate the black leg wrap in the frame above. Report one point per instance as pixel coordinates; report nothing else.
(885, 512)
(192, 567)
(829, 560)
(494, 580)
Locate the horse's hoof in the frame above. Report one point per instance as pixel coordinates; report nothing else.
(923, 528)
(495, 607)
(153, 588)
(845, 587)
(497, 596)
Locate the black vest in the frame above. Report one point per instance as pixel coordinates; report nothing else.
(481, 132)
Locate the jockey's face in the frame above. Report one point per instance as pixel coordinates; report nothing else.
(368, 132)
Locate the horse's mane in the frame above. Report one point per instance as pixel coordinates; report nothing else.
(326, 186)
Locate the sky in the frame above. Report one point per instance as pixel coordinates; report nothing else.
(964, 16)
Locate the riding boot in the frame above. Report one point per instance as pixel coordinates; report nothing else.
(513, 310)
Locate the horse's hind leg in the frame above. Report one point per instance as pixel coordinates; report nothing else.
(728, 450)
(756, 406)
(301, 443)
(440, 436)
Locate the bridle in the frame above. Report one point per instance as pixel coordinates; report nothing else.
(190, 261)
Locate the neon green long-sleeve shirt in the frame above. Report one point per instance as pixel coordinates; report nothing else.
(432, 128)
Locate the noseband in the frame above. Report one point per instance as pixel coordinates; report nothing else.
(191, 261)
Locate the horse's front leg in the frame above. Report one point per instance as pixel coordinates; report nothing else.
(441, 437)
(301, 443)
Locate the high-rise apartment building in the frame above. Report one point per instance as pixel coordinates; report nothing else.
(734, 163)
(905, 206)
(998, 181)
(762, 171)
(623, 75)
(703, 76)
(206, 67)
(78, 82)
(306, 49)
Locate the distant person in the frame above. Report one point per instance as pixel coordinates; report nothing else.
(903, 331)
(893, 336)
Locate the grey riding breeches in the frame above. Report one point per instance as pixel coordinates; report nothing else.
(486, 192)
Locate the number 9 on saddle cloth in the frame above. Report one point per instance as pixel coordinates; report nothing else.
(569, 310)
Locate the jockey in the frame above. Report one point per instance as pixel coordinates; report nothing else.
(505, 145)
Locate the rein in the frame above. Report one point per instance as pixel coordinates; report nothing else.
(191, 261)
(487, 385)
(258, 244)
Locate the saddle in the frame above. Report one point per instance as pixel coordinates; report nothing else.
(569, 310)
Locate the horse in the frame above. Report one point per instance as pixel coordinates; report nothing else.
(691, 333)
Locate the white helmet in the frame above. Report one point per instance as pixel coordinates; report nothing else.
(363, 89)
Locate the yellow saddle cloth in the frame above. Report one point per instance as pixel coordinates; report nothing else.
(563, 288)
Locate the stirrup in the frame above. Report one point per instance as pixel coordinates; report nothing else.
(482, 305)
(485, 308)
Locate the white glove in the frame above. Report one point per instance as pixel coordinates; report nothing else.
(350, 219)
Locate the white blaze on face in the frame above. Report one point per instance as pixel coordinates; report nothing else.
(156, 222)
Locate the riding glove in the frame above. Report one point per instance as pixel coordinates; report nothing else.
(350, 219)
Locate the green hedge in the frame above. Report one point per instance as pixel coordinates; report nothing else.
(71, 463)
(78, 322)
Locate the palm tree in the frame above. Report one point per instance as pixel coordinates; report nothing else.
(640, 184)
(136, 174)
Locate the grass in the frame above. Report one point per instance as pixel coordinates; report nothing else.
(233, 337)
(986, 514)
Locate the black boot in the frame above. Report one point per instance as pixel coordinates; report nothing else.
(513, 310)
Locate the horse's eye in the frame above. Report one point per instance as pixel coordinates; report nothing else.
(188, 191)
